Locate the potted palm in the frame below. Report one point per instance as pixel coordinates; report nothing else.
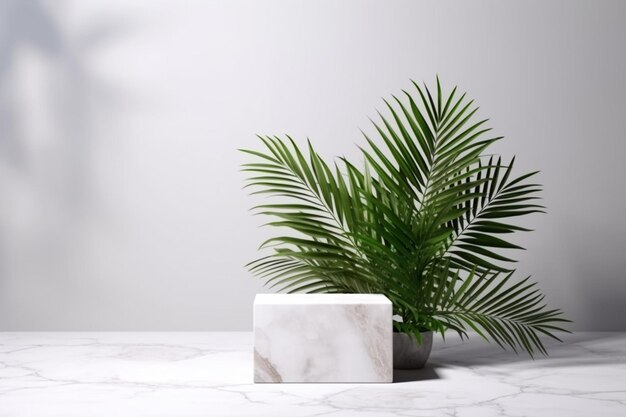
(425, 221)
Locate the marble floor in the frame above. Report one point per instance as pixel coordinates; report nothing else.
(210, 374)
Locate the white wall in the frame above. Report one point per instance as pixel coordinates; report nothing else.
(120, 198)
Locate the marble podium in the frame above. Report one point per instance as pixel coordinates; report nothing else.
(322, 338)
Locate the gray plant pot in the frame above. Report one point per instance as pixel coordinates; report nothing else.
(407, 354)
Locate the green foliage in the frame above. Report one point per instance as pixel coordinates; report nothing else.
(425, 221)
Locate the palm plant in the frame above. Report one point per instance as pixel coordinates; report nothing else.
(424, 221)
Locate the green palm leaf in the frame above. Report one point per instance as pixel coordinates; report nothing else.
(511, 314)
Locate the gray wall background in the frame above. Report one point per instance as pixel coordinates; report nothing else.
(120, 198)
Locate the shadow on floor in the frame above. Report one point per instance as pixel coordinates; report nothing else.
(576, 350)
(411, 375)
(582, 349)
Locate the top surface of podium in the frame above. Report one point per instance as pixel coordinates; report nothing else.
(280, 299)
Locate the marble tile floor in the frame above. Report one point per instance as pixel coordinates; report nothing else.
(210, 374)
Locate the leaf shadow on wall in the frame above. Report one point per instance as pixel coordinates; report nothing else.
(49, 96)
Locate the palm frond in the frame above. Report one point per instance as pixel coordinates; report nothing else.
(477, 236)
(511, 314)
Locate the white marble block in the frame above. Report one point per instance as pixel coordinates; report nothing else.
(322, 338)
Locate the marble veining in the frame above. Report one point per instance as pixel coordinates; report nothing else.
(322, 338)
(209, 374)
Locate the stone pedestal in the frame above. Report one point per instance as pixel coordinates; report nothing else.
(322, 338)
